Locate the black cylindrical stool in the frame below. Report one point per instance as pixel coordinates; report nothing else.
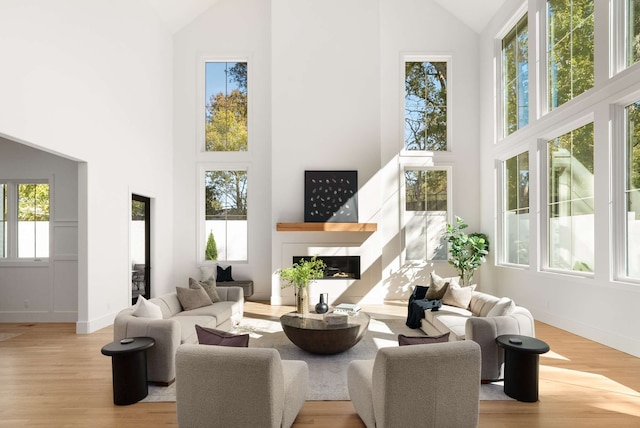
(129, 366)
(521, 354)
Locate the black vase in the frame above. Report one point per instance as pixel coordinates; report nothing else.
(322, 307)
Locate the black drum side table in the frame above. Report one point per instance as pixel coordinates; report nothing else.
(521, 355)
(129, 366)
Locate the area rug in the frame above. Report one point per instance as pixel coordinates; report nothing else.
(327, 373)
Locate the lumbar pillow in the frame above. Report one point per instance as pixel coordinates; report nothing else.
(208, 272)
(438, 286)
(209, 286)
(146, 309)
(421, 340)
(193, 298)
(504, 307)
(211, 336)
(224, 275)
(458, 296)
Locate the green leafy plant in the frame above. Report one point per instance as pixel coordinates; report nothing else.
(302, 273)
(467, 252)
(211, 252)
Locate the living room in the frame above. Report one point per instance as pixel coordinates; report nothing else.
(326, 91)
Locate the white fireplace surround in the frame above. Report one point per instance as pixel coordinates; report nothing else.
(341, 289)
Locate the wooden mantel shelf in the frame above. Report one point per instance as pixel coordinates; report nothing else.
(326, 227)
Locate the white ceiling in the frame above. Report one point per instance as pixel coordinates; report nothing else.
(178, 13)
(475, 13)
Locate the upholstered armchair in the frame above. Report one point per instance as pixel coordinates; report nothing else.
(220, 386)
(433, 385)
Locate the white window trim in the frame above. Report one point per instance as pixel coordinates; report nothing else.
(618, 163)
(500, 168)
(543, 198)
(12, 258)
(201, 241)
(499, 72)
(413, 165)
(617, 36)
(450, 90)
(201, 101)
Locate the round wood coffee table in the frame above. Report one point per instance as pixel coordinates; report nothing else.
(311, 333)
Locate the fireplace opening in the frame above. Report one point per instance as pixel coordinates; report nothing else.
(338, 267)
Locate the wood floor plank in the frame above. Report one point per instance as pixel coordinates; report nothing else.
(52, 377)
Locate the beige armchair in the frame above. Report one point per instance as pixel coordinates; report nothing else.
(219, 386)
(434, 385)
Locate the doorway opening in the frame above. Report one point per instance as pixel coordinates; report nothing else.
(140, 247)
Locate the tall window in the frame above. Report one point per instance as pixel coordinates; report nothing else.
(426, 214)
(570, 68)
(425, 106)
(632, 191)
(516, 210)
(633, 31)
(24, 220)
(570, 206)
(515, 77)
(225, 196)
(226, 114)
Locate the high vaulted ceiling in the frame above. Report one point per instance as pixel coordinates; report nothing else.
(178, 13)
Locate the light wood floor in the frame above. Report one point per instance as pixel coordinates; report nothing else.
(51, 377)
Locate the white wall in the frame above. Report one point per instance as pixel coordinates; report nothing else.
(597, 307)
(43, 291)
(337, 96)
(93, 81)
(238, 29)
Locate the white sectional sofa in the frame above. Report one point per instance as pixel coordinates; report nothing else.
(485, 318)
(177, 326)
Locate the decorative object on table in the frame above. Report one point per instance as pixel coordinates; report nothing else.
(322, 307)
(347, 308)
(466, 252)
(336, 318)
(331, 196)
(300, 275)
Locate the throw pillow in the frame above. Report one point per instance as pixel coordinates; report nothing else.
(458, 296)
(209, 286)
(193, 298)
(421, 340)
(504, 307)
(224, 275)
(208, 272)
(211, 336)
(146, 309)
(438, 286)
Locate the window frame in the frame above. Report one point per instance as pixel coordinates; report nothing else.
(543, 82)
(501, 122)
(449, 217)
(543, 198)
(619, 162)
(12, 235)
(618, 37)
(448, 59)
(201, 239)
(201, 100)
(501, 169)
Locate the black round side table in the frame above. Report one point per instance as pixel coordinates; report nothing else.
(521, 355)
(129, 366)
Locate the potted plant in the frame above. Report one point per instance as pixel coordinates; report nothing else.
(467, 252)
(300, 275)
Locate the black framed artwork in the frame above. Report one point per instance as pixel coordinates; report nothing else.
(331, 196)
